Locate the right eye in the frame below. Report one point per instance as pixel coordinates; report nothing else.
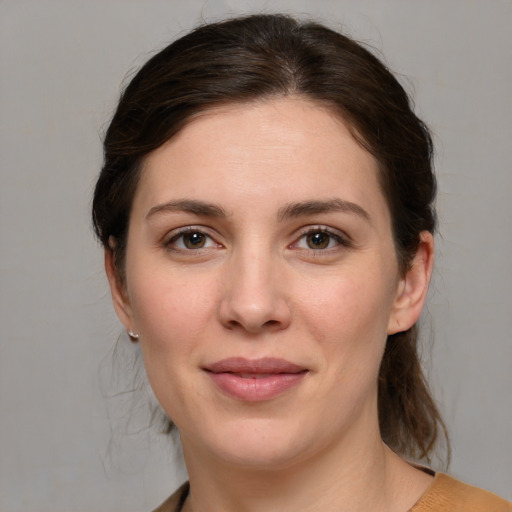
(190, 239)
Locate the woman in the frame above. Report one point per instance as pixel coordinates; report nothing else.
(266, 208)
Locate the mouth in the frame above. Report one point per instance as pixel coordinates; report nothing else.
(255, 380)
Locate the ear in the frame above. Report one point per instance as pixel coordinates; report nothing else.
(413, 287)
(118, 291)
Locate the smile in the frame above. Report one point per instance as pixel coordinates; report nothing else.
(255, 380)
(254, 375)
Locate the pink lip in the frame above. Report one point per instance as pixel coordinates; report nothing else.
(255, 380)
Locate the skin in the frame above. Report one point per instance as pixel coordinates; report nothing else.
(260, 287)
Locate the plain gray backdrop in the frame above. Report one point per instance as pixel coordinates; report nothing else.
(66, 444)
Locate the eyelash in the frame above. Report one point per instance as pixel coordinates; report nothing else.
(338, 238)
(170, 243)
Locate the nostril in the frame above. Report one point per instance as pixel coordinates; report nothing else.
(233, 324)
(255, 326)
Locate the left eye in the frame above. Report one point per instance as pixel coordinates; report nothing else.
(191, 240)
(319, 240)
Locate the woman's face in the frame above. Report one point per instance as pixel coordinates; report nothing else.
(262, 278)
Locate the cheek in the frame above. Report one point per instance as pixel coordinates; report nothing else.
(355, 302)
(350, 320)
(171, 319)
(169, 312)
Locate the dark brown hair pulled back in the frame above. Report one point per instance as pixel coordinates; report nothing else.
(261, 56)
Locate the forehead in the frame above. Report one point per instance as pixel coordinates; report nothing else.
(283, 149)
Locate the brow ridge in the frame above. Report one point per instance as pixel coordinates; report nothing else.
(313, 207)
(194, 206)
(291, 210)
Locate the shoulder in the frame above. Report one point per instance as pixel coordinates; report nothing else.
(175, 502)
(446, 494)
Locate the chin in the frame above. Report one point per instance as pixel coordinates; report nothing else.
(260, 444)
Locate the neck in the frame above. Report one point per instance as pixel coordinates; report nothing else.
(352, 477)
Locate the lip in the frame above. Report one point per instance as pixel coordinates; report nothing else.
(255, 380)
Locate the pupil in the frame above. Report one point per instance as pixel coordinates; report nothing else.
(194, 240)
(318, 240)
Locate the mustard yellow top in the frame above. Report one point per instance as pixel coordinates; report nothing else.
(445, 494)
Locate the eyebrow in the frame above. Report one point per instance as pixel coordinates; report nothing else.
(305, 208)
(291, 210)
(193, 206)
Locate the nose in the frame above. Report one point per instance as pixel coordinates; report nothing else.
(254, 295)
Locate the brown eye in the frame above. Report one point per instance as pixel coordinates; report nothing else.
(190, 239)
(194, 240)
(318, 240)
(321, 239)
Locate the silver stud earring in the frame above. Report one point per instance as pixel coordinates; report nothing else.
(133, 336)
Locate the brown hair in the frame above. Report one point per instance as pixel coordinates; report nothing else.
(261, 56)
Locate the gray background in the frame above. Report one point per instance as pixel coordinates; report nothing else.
(66, 444)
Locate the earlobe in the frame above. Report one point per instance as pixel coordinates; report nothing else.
(413, 287)
(118, 291)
